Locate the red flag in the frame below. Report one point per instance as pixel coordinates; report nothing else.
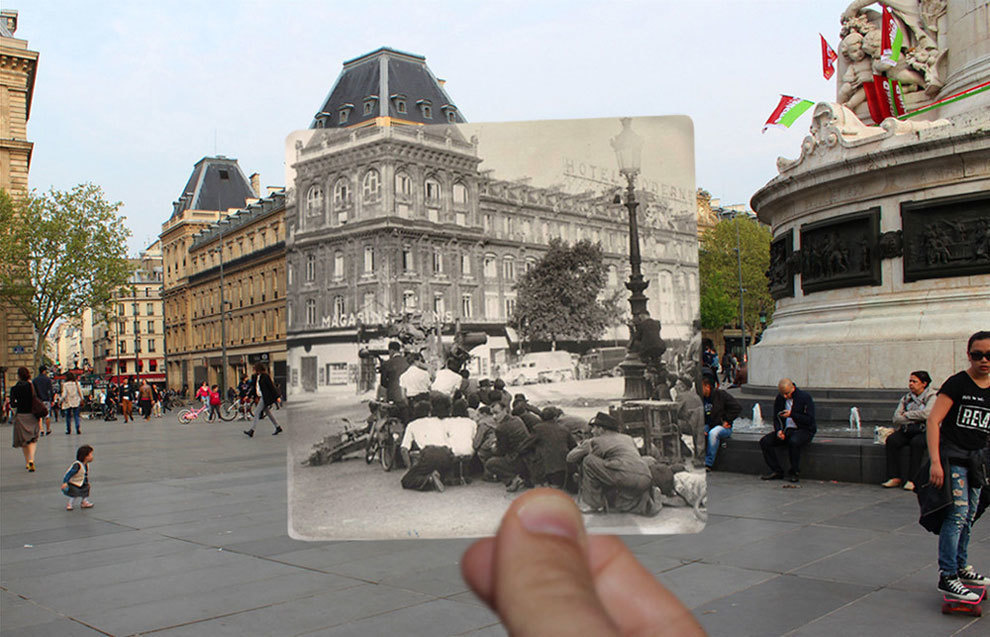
(828, 59)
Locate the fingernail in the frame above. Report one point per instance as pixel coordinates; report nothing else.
(551, 515)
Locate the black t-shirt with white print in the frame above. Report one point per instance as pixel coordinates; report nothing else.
(967, 425)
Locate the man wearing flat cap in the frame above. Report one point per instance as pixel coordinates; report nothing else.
(615, 477)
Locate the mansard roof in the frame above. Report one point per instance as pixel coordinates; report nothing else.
(390, 81)
(216, 183)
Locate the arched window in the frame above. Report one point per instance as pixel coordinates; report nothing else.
(403, 184)
(509, 269)
(338, 265)
(432, 189)
(341, 193)
(460, 193)
(490, 270)
(338, 307)
(314, 200)
(371, 186)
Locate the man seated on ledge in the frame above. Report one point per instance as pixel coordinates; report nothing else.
(793, 425)
(720, 410)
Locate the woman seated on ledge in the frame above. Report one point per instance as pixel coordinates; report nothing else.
(909, 418)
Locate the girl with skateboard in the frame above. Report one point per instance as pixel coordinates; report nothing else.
(957, 432)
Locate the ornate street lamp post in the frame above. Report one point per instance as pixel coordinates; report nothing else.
(628, 147)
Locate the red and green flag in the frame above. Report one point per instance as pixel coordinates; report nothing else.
(828, 59)
(891, 36)
(788, 110)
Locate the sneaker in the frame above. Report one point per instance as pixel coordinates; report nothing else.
(793, 477)
(909, 486)
(952, 587)
(890, 484)
(249, 433)
(277, 431)
(516, 484)
(437, 482)
(775, 475)
(708, 468)
(969, 577)
(86, 504)
(30, 467)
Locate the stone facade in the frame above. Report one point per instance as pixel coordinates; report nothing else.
(131, 336)
(216, 188)
(17, 73)
(253, 259)
(851, 311)
(393, 219)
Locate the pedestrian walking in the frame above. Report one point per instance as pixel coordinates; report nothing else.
(957, 431)
(156, 405)
(145, 399)
(72, 399)
(45, 392)
(264, 388)
(75, 483)
(203, 394)
(27, 425)
(126, 400)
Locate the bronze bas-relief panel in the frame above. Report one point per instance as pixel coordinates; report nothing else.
(946, 237)
(841, 252)
(780, 276)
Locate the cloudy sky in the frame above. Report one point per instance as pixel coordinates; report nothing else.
(129, 95)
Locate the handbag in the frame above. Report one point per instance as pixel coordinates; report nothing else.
(38, 409)
(914, 428)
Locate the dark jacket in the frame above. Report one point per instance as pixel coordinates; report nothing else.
(546, 450)
(725, 408)
(510, 434)
(43, 388)
(268, 392)
(392, 369)
(933, 503)
(20, 397)
(802, 411)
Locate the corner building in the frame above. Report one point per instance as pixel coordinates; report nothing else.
(388, 215)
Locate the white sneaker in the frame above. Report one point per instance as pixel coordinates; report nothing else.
(952, 587)
(969, 577)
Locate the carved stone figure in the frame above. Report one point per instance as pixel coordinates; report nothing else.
(891, 245)
(916, 69)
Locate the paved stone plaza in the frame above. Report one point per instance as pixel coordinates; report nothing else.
(188, 537)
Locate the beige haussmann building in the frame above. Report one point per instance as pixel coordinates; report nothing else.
(18, 66)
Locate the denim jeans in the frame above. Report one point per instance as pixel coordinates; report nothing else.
(953, 538)
(70, 413)
(260, 412)
(716, 435)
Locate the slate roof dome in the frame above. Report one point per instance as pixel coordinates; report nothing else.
(386, 84)
(216, 183)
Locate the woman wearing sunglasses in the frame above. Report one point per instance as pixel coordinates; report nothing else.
(957, 432)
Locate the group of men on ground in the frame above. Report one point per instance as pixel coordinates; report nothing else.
(458, 425)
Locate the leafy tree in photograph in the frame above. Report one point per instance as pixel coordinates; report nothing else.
(558, 299)
(719, 273)
(60, 252)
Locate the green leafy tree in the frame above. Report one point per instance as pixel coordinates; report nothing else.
(719, 273)
(558, 298)
(60, 252)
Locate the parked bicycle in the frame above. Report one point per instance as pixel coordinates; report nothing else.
(385, 430)
(187, 416)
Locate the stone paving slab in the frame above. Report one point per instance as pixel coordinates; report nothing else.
(197, 544)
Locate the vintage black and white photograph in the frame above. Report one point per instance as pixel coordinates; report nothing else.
(475, 310)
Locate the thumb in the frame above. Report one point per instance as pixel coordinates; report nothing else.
(542, 583)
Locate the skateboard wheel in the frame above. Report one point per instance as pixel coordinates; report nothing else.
(978, 611)
(946, 609)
